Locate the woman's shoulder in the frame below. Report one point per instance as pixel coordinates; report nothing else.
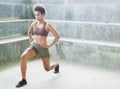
(48, 24)
(33, 23)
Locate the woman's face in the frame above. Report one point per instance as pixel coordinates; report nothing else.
(38, 15)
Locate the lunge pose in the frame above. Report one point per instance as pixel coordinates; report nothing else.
(40, 28)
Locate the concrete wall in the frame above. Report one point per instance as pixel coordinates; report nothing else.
(80, 51)
(83, 10)
(13, 26)
(89, 30)
(15, 9)
(11, 50)
(96, 20)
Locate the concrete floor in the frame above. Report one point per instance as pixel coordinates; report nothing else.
(71, 76)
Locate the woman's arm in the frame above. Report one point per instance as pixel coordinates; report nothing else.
(30, 30)
(54, 32)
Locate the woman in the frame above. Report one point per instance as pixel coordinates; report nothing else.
(39, 46)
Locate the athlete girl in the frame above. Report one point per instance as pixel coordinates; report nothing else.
(40, 28)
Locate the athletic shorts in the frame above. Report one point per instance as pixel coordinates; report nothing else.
(42, 52)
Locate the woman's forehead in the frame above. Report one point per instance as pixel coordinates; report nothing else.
(37, 12)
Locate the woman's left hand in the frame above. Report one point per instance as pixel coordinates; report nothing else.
(45, 46)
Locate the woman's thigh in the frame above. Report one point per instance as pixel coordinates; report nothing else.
(28, 53)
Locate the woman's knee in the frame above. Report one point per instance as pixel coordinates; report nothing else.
(47, 69)
(23, 57)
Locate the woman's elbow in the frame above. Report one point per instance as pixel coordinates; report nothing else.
(58, 37)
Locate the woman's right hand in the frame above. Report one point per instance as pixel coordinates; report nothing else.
(31, 41)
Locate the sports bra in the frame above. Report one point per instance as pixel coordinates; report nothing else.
(40, 31)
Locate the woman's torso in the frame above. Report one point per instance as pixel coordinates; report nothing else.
(40, 33)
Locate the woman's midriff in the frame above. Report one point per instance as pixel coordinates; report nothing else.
(39, 40)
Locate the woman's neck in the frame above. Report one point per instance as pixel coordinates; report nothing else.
(41, 21)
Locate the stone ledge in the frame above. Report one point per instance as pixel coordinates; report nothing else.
(64, 2)
(74, 50)
(15, 11)
(97, 31)
(13, 28)
(84, 12)
(11, 51)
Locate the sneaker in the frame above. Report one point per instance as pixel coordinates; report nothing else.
(21, 83)
(56, 69)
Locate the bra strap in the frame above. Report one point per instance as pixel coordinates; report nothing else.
(44, 25)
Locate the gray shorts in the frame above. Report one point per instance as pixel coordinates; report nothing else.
(43, 52)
